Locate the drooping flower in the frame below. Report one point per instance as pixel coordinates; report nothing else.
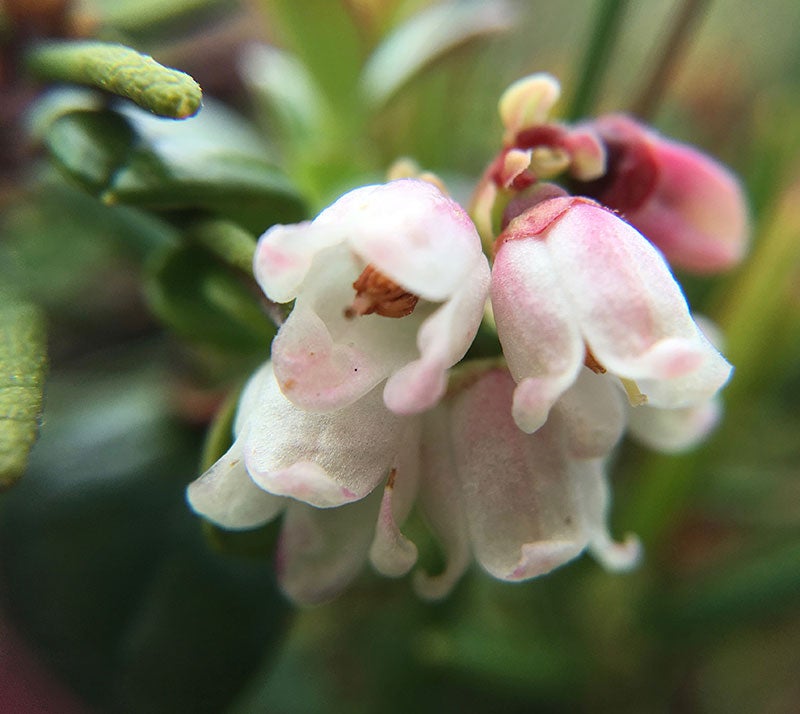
(573, 284)
(687, 204)
(346, 481)
(388, 282)
(524, 504)
(323, 472)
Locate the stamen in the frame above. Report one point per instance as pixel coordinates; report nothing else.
(375, 293)
(591, 362)
(635, 397)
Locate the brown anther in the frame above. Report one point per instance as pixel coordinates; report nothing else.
(591, 362)
(375, 293)
(392, 477)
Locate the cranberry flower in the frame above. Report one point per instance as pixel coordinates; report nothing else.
(388, 282)
(322, 472)
(573, 284)
(346, 481)
(529, 502)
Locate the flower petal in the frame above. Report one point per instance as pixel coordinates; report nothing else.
(227, 496)
(594, 497)
(528, 102)
(325, 361)
(673, 430)
(518, 489)
(411, 232)
(284, 256)
(323, 459)
(391, 553)
(631, 311)
(321, 551)
(592, 412)
(536, 326)
(694, 210)
(442, 340)
(441, 506)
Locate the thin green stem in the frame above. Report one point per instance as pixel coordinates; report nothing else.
(687, 19)
(604, 35)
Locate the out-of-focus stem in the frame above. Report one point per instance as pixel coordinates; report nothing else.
(604, 35)
(687, 19)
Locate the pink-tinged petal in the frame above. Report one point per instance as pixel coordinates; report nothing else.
(592, 414)
(686, 203)
(515, 162)
(441, 505)
(536, 326)
(674, 430)
(528, 102)
(595, 500)
(517, 489)
(588, 155)
(322, 459)
(321, 551)
(411, 232)
(697, 215)
(325, 361)
(631, 311)
(284, 256)
(391, 553)
(227, 496)
(442, 340)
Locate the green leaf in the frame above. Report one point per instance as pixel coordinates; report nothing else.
(90, 146)
(119, 70)
(22, 367)
(214, 163)
(426, 37)
(204, 301)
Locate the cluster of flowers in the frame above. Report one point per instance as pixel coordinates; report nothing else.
(362, 415)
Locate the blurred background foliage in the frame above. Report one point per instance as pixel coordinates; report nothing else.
(132, 235)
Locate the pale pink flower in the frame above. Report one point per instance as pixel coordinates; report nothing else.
(522, 504)
(572, 283)
(388, 282)
(688, 205)
(323, 472)
(346, 481)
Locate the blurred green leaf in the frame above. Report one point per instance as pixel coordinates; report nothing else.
(90, 146)
(22, 367)
(323, 36)
(227, 241)
(204, 301)
(120, 70)
(750, 586)
(214, 162)
(426, 37)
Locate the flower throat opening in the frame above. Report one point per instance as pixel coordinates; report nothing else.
(375, 293)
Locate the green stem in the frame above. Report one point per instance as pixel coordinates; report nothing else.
(119, 70)
(686, 21)
(595, 61)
